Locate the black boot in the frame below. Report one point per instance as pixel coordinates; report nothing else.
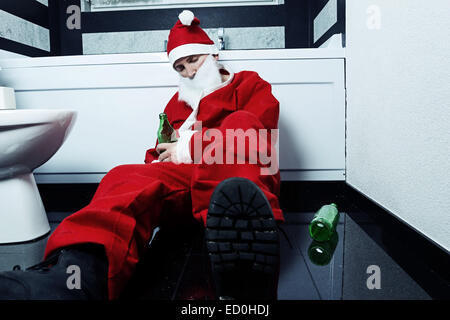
(242, 241)
(74, 273)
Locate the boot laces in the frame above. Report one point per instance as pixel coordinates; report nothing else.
(46, 264)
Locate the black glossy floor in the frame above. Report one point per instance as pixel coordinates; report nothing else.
(374, 256)
(176, 266)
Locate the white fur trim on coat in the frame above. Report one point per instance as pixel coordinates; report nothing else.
(183, 146)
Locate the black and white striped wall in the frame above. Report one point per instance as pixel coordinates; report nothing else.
(24, 28)
(39, 27)
(327, 20)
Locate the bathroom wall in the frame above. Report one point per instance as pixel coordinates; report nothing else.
(133, 31)
(24, 28)
(327, 19)
(398, 110)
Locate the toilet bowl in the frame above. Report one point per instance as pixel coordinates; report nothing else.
(28, 138)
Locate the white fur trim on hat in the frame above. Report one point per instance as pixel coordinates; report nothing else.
(186, 17)
(191, 49)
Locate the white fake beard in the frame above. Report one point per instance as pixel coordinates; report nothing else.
(207, 76)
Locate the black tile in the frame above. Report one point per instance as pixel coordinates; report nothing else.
(159, 271)
(313, 281)
(57, 216)
(196, 282)
(309, 196)
(22, 255)
(176, 265)
(295, 281)
(423, 261)
(66, 197)
(362, 252)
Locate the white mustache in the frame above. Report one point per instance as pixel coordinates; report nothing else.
(207, 76)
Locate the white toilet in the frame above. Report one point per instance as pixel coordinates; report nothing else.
(28, 138)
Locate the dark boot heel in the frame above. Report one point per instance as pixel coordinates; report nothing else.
(242, 241)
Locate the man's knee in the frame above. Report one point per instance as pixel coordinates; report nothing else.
(124, 172)
(120, 170)
(241, 119)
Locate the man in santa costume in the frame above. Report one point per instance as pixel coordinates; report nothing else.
(203, 173)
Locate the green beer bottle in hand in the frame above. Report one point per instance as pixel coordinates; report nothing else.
(165, 133)
(324, 223)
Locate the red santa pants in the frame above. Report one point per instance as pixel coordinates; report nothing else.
(132, 200)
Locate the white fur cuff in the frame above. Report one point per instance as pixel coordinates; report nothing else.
(183, 146)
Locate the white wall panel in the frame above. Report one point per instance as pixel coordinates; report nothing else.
(9, 55)
(113, 126)
(398, 112)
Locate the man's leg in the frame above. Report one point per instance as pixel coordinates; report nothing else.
(242, 241)
(245, 261)
(207, 176)
(240, 216)
(129, 203)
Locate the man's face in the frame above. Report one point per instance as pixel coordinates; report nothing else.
(188, 66)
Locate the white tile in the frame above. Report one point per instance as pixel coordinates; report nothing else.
(124, 42)
(254, 38)
(22, 31)
(325, 19)
(154, 41)
(44, 2)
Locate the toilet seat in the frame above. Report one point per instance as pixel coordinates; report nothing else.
(28, 139)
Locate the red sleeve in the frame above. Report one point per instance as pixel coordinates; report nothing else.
(151, 154)
(255, 96)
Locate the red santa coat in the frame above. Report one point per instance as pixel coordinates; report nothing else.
(244, 103)
(132, 200)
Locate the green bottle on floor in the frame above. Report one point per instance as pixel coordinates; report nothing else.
(165, 133)
(324, 223)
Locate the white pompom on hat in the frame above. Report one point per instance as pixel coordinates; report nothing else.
(186, 17)
(187, 38)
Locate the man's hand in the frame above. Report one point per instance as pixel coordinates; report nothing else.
(167, 152)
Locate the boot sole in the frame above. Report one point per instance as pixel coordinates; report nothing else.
(242, 241)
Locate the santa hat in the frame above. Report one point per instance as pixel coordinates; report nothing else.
(186, 38)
